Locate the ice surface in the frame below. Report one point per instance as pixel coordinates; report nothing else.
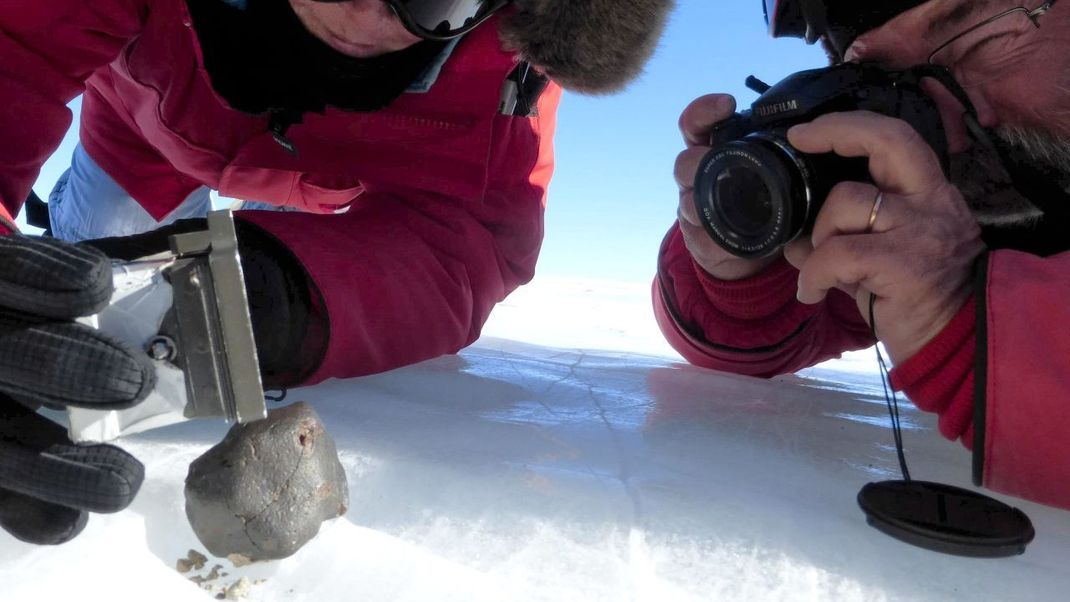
(520, 471)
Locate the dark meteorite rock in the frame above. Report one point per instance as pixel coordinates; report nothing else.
(264, 490)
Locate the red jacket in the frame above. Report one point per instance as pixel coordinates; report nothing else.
(445, 196)
(997, 374)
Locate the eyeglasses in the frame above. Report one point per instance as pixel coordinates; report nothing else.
(982, 45)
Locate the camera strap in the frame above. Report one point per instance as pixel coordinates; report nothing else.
(937, 516)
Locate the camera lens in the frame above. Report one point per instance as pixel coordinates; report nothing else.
(752, 194)
(746, 204)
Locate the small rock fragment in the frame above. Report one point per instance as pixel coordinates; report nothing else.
(239, 560)
(238, 590)
(263, 491)
(194, 561)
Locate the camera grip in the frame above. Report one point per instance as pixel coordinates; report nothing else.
(733, 128)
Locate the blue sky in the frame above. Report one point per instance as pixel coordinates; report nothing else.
(613, 196)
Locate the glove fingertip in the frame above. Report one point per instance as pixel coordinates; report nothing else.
(37, 522)
(53, 278)
(126, 481)
(115, 479)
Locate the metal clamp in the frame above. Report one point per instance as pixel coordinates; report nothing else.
(215, 332)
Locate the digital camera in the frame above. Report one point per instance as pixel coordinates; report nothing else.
(755, 193)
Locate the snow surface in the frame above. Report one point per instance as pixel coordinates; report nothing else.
(570, 455)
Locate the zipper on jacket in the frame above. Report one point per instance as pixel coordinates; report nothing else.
(279, 122)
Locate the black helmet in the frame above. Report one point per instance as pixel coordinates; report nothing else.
(839, 21)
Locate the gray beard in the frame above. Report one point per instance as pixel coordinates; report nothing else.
(980, 176)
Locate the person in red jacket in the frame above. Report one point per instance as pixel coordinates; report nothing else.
(970, 285)
(411, 138)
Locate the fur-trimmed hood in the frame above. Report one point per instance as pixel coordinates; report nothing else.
(589, 46)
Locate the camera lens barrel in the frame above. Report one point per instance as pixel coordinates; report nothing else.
(753, 195)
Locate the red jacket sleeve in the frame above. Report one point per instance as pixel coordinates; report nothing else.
(406, 276)
(48, 50)
(7, 224)
(998, 376)
(753, 326)
(940, 377)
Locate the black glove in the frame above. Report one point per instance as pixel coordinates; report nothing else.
(47, 484)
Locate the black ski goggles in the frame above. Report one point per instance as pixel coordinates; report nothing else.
(441, 19)
(839, 21)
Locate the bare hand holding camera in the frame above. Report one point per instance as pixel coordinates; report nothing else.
(915, 254)
(696, 122)
(859, 133)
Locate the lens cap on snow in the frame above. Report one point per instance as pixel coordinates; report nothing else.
(946, 519)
